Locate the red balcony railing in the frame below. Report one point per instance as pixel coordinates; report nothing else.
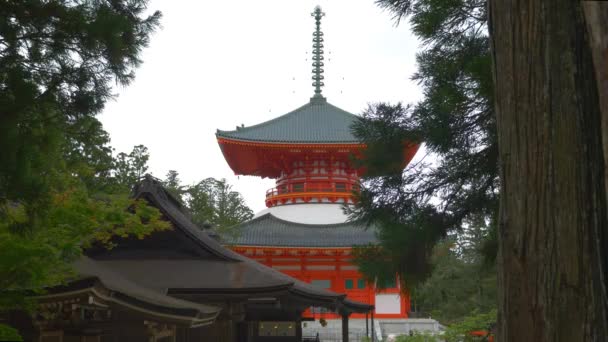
(312, 187)
(309, 190)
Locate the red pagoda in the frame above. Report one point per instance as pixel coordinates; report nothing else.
(304, 231)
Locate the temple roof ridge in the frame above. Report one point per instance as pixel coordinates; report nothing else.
(318, 121)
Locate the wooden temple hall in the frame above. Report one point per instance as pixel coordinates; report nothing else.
(175, 285)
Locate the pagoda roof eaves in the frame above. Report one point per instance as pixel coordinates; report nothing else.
(314, 122)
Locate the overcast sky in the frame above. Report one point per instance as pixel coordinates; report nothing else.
(219, 64)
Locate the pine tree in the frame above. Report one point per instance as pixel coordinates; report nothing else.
(462, 281)
(458, 179)
(130, 168)
(212, 201)
(549, 136)
(58, 62)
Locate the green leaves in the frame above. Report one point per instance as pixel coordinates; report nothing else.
(58, 193)
(406, 244)
(213, 201)
(463, 331)
(40, 257)
(210, 202)
(457, 180)
(130, 168)
(475, 322)
(9, 334)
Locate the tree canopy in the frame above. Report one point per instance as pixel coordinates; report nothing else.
(59, 189)
(211, 202)
(462, 281)
(457, 180)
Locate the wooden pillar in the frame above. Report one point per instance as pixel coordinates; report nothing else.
(366, 324)
(373, 329)
(344, 327)
(299, 329)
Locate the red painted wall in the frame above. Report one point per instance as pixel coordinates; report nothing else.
(309, 264)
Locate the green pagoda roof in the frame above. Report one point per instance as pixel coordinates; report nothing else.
(268, 230)
(316, 122)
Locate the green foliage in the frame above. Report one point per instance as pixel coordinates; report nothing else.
(34, 259)
(58, 190)
(405, 250)
(213, 201)
(9, 334)
(457, 332)
(458, 178)
(461, 282)
(210, 202)
(460, 332)
(419, 336)
(57, 63)
(130, 168)
(173, 184)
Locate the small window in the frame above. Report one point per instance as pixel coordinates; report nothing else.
(297, 187)
(321, 283)
(341, 187)
(360, 283)
(348, 284)
(391, 283)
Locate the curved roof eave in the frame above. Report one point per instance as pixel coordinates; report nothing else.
(315, 122)
(111, 287)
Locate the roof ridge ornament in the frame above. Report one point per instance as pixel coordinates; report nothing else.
(317, 56)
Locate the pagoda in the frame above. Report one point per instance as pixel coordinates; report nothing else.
(304, 232)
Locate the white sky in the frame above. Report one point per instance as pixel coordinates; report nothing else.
(219, 64)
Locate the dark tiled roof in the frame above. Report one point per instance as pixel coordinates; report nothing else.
(155, 283)
(268, 230)
(140, 295)
(229, 272)
(316, 122)
(151, 190)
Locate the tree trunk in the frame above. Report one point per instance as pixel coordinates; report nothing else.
(552, 240)
(596, 17)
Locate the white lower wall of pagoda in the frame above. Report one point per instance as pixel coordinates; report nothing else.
(388, 303)
(309, 213)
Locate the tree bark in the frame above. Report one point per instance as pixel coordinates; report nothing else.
(553, 215)
(596, 18)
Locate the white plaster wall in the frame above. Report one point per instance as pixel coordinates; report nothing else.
(388, 303)
(309, 213)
